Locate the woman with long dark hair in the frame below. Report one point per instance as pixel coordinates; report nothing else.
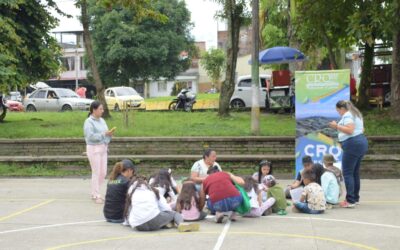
(97, 137)
(355, 145)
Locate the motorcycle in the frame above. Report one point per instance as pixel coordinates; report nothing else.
(3, 107)
(183, 101)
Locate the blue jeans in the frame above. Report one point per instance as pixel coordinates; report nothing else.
(225, 205)
(303, 207)
(354, 150)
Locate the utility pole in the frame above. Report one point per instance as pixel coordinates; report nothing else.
(255, 83)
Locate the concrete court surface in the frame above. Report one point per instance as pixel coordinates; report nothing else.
(58, 214)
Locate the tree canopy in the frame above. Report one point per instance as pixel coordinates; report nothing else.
(28, 52)
(213, 61)
(126, 49)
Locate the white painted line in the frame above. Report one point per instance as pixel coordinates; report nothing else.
(335, 220)
(222, 236)
(50, 226)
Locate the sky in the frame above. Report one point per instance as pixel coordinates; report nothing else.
(202, 13)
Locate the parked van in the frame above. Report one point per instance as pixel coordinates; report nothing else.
(241, 98)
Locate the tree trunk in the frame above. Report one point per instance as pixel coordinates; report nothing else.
(228, 86)
(395, 84)
(363, 91)
(255, 107)
(92, 61)
(332, 58)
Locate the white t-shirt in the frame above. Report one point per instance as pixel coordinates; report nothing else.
(145, 206)
(253, 199)
(201, 167)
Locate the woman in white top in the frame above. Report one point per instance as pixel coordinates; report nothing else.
(199, 169)
(354, 144)
(146, 210)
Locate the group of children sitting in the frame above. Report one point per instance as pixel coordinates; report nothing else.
(159, 202)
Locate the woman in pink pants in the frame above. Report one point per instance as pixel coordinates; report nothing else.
(97, 137)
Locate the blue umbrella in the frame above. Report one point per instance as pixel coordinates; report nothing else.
(278, 55)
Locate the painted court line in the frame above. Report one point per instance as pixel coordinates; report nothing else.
(51, 226)
(222, 236)
(263, 234)
(25, 210)
(335, 220)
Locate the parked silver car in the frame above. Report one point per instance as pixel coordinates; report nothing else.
(55, 99)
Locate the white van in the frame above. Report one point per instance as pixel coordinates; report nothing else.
(241, 98)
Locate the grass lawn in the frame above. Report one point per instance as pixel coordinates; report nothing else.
(43, 170)
(69, 124)
(198, 97)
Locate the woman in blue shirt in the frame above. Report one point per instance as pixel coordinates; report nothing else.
(97, 137)
(354, 144)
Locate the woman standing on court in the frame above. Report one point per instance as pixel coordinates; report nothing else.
(355, 145)
(97, 137)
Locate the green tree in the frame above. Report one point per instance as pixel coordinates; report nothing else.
(394, 14)
(366, 25)
(237, 15)
(322, 24)
(125, 49)
(28, 52)
(213, 61)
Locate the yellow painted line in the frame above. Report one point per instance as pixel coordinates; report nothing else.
(343, 242)
(25, 210)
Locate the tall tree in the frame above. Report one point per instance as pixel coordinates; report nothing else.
(237, 15)
(395, 84)
(126, 49)
(213, 61)
(90, 54)
(28, 52)
(323, 24)
(366, 25)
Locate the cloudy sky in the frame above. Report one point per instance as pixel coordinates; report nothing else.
(203, 11)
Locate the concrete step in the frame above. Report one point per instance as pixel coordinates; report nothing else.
(221, 158)
(75, 158)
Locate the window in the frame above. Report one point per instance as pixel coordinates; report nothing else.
(82, 65)
(245, 83)
(161, 86)
(39, 94)
(51, 94)
(68, 63)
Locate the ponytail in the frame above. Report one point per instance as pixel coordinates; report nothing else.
(353, 110)
(349, 106)
(117, 170)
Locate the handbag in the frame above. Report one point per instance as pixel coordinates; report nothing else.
(245, 206)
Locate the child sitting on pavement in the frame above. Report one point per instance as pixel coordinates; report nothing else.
(258, 207)
(330, 181)
(275, 191)
(189, 203)
(312, 200)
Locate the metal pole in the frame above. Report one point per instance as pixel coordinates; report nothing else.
(255, 107)
(76, 68)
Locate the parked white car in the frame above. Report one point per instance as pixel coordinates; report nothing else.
(242, 96)
(55, 99)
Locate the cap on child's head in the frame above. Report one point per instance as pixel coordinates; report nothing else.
(129, 164)
(307, 159)
(329, 159)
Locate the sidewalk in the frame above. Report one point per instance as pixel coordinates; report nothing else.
(200, 104)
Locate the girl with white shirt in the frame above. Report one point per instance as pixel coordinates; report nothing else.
(97, 137)
(258, 207)
(147, 210)
(354, 145)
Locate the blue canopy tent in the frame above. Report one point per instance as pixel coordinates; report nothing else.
(279, 55)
